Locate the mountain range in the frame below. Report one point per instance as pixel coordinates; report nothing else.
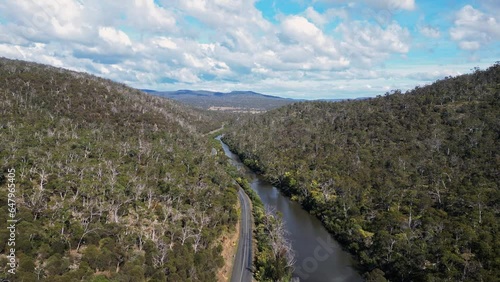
(235, 101)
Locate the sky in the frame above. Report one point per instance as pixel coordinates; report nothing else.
(306, 49)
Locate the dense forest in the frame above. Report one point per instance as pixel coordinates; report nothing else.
(111, 184)
(408, 182)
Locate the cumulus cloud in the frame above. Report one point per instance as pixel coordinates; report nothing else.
(147, 14)
(230, 44)
(321, 19)
(114, 37)
(300, 30)
(393, 5)
(390, 5)
(224, 14)
(164, 42)
(369, 43)
(43, 21)
(429, 31)
(307, 47)
(473, 28)
(315, 17)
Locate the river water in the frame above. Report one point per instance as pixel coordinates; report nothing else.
(319, 258)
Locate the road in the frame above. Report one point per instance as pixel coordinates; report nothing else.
(215, 130)
(243, 259)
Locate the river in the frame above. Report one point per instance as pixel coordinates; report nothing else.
(319, 258)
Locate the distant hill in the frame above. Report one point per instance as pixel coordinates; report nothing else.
(235, 101)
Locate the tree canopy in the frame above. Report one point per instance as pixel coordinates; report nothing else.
(408, 182)
(112, 184)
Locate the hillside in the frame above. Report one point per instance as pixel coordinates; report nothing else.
(407, 182)
(111, 184)
(236, 101)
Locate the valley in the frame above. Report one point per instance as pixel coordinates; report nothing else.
(250, 141)
(113, 184)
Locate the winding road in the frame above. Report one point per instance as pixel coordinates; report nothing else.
(243, 260)
(242, 267)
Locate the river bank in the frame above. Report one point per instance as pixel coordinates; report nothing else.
(318, 256)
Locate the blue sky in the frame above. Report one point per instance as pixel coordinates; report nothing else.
(298, 48)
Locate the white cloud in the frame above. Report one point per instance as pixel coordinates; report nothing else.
(222, 14)
(389, 5)
(469, 45)
(11, 51)
(304, 46)
(321, 19)
(227, 44)
(395, 5)
(315, 16)
(429, 31)
(147, 16)
(114, 37)
(305, 33)
(369, 43)
(164, 42)
(473, 28)
(184, 75)
(302, 31)
(42, 21)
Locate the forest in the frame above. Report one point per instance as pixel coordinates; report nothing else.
(407, 182)
(112, 184)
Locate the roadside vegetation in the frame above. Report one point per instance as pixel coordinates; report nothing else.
(273, 260)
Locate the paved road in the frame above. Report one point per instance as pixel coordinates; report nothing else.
(243, 259)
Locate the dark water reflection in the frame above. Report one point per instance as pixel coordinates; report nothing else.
(319, 258)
